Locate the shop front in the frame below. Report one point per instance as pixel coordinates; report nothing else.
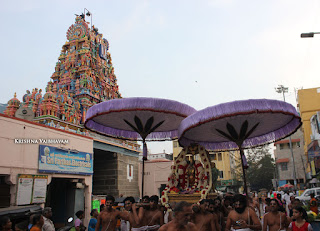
(45, 166)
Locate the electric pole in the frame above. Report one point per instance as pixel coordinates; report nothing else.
(281, 89)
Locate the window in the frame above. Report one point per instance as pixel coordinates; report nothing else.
(219, 156)
(175, 144)
(282, 146)
(213, 156)
(221, 174)
(298, 144)
(130, 172)
(318, 191)
(284, 166)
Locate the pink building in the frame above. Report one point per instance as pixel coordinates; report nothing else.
(46, 166)
(156, 174)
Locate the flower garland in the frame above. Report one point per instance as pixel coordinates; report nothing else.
(203, 176)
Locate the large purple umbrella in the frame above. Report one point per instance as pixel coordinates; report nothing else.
(239, 125)
(138, 119)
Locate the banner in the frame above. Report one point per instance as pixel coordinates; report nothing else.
(31, 189)
(226, 182)
(96, 205)
(24, 190)
(56, 160)
(39, 189)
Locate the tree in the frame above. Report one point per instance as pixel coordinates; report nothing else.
(261, 168)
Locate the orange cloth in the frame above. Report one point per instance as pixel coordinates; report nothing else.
(35, 228)
(313, 208)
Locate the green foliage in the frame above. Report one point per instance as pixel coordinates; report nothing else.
(311, 218)
(306, 207)
(261, 168)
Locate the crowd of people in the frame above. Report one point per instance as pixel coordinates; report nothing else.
(272, 212)
(38, 222)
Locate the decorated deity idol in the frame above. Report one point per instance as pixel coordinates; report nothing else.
(190, 174)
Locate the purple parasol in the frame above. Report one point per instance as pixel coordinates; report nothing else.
(138, 119)
(122, 118)
(239, 125)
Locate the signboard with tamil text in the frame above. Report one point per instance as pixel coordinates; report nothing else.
(56, 160)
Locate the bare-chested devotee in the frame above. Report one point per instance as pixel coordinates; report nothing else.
(108, 218)
(154, 214)
(215, 208)
(204, 220)
(275, 220)
(145, 199)
(242, 218)
(152, 217)
(131, 213)
(255, 206)
(181, 220)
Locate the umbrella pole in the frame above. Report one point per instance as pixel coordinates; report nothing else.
(244, 172)
(142, 178)
(144, 156)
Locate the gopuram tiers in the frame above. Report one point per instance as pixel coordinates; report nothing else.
(83, 76)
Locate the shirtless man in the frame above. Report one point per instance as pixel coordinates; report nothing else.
(242, 218)
(131, 212)
(227, 205)
(215, 207)
(255, 206)
(275, 220)
(154, 215)
(267, 206)
(204, 220)
(108, 218)
(145, 199)
(151, 217)
(180, 222)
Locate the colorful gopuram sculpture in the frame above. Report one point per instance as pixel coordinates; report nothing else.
(13, 106)
(83, 76)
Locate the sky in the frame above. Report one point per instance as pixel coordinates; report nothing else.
(201, 53)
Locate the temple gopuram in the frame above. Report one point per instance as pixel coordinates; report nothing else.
(83, 76)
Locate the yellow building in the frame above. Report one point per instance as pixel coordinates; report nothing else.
(227, 163)
(308, 104)
(176, 148)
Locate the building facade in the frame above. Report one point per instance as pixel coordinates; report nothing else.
(309, 105)
(116, 167)
(314, 146)
(156, 173)
(83, 76)
(67, 185)
(228, 165)
(176, 148)
(154, 156)
(284, 161)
